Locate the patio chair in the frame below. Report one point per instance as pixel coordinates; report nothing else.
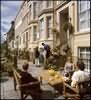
(79, 93)
(24, 91)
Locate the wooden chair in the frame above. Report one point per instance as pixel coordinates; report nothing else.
(22, 87)
(83, 89)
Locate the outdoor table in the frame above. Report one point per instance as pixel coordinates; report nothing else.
(56, 83)
(60, 85)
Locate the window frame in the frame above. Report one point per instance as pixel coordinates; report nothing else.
(41, 27)
(30, 12)
(34, 10)
(48, 4)
(86, 59)
(79, 14)
(48, 25)
(34, 33)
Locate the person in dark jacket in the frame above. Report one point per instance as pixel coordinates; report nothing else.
(47, 49)
(28, 78)
(36, 54)
(47, 54)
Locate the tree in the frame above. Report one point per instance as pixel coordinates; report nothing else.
(3, 50)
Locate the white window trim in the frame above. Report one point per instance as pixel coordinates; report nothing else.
(84, 30)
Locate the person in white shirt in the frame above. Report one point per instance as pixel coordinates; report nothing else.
(80, 75)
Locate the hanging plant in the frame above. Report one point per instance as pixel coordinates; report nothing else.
(71, 28)
(68, 26)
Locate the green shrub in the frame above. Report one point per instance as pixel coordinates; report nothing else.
(9, 66)
(68, 26)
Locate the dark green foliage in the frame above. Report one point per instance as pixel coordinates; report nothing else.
(68, 26)
(56, 62)
(8, 67)
(24, 54)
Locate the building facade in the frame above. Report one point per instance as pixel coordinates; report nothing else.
(10, 36)
(36, 19)
(79, 12)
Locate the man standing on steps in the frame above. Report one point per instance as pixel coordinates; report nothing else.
(47, 53)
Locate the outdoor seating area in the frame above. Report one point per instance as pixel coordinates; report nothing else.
(56, 80)
(45, 50)
(64, 87)
(53, 79)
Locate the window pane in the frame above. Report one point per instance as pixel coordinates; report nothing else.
(49, 3)
(26, 36)
(88, 13)
(35, 10)
(83, 6)
(88, 56)
(41, 28)
(84, 14)
(35, 33)
(84, 54)
(88, 4)
(48, 26)
(84, 24)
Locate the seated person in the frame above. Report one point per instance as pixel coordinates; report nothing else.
(68, 68)
(27, 78)
(80, 75)
(66, 77)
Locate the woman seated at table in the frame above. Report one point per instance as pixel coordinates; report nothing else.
(80, 75)
(68, 69)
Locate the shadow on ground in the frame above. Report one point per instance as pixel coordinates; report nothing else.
(48, 95)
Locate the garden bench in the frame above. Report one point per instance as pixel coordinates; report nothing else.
(22, 87)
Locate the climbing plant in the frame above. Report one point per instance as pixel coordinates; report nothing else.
(68, 26)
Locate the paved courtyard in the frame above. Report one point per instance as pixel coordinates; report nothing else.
(7, 87)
